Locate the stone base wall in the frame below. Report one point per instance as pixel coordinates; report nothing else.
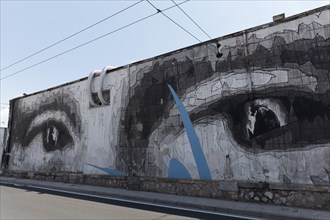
(297, 195)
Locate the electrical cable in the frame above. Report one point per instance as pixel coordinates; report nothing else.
(218, 54)
(88, 42)
(192, 20)
(72, 35)
(161, 11)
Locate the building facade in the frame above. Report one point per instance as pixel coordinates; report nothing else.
(248, 108)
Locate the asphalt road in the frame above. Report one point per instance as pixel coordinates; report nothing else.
(20, 203)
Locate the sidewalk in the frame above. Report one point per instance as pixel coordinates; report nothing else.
(255, 210)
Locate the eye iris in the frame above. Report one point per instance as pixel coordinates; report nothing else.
(266, 120)
(55, 136)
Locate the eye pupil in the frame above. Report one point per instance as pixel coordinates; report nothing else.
(52, 135)
(55, 136)
(266, 120)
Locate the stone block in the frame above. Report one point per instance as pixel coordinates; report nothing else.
(228, 186)
(269, 195)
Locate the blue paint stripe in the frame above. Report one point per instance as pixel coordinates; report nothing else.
(202, 166)
(110, 171)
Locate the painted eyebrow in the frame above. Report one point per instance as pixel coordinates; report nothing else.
(59, 102)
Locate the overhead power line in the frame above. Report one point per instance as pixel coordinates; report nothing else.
(72, 35)
(161, 11)
(218, 54)
(192, 20)
(88, 42)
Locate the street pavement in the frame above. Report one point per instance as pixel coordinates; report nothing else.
(203, 208)
(22, 204)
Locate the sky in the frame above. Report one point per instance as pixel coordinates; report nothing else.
(30, 26)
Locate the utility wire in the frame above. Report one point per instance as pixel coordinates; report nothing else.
(192, 20)
(161, 11)
(88, 42)
(72, 35)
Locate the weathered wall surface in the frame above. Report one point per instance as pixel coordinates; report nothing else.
(258, 113)
(58, 131)
(3, 138)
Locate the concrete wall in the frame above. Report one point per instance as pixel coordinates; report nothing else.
(258, 113)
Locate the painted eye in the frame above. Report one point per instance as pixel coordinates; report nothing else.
(55, 136)
(281, 122)
(53, 127)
